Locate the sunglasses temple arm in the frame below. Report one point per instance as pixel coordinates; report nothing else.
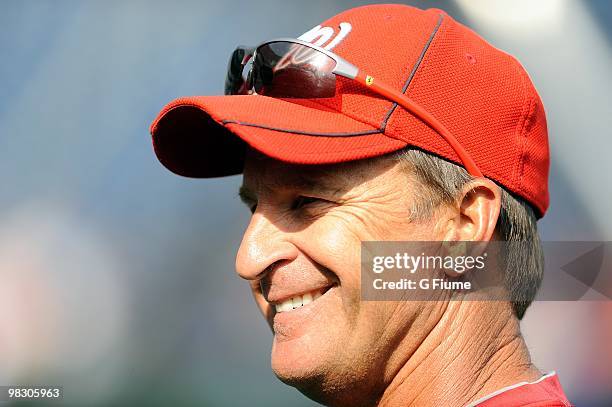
(402, 100)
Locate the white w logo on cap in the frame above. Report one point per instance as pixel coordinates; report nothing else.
(317, 36)
(320, 35)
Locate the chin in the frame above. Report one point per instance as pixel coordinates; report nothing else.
(308, 380)
(295, 360)
(316, 374)
(320, 382)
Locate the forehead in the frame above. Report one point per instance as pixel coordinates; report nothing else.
(262, 173)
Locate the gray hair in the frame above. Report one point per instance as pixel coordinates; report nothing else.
(440, 183)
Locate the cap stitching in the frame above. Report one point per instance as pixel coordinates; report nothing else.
(532, 198)
(416, 66)
(524, 135)
(182, 103)
(526, 113)
(315, 134)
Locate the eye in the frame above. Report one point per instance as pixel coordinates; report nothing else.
(303, 200)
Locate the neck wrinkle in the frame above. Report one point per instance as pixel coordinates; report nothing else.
(475, 349)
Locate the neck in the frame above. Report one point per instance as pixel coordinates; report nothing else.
(473, 350)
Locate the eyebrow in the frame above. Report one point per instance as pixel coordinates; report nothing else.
(301, 182)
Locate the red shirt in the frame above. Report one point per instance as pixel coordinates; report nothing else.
(544, 392)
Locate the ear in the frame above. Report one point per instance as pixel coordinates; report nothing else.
(478, 210)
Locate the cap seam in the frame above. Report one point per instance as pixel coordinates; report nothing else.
(533, 199)
(526, 113)
(365, 133)
(312, 134)
(181, 103)
(524, 136)
(414, 70)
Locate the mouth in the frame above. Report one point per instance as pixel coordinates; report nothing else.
(300, 300)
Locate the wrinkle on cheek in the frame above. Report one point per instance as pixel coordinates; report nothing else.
(340, 240)
(375, 220)
(342, 229)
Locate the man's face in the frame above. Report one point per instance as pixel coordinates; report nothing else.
(303, 246)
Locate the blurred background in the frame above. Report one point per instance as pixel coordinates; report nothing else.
(117, 278)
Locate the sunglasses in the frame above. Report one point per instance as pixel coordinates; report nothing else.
(291, 68)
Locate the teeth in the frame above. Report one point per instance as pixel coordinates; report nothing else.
(306, 299)
(297, 301)
(284, 306)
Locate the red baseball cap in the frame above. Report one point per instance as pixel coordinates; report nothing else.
(482, 95)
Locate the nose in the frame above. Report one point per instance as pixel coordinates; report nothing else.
(263, 245)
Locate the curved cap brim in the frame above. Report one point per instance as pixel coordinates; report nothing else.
(206, 136)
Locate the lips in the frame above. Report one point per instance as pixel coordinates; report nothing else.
(291, 323)
(297, 284)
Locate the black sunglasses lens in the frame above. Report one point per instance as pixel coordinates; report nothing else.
(289, 70)
(235, 81)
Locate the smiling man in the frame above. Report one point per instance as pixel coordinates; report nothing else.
(384, 123)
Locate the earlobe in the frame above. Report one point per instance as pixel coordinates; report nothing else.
(480, 203)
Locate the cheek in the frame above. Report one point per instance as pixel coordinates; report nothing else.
(334, 241)
(333, 245)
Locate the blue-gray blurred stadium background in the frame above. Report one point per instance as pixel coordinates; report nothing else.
(117, 278)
